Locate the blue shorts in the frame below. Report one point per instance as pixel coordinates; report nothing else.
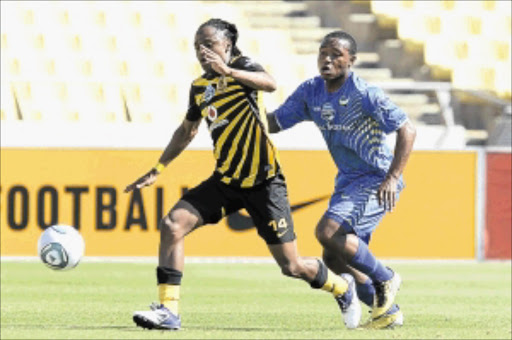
(356, 208)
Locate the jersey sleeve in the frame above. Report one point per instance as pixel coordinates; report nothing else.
(193, 112)
(389, 116)
(247, 64)
(294, 110)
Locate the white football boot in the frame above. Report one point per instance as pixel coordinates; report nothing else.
(349, 304)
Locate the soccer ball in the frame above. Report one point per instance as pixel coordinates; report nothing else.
(61, 247)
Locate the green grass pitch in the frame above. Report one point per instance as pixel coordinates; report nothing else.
(445, 300)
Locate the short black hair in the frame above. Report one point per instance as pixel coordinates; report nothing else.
(342, 35)
(230, 32)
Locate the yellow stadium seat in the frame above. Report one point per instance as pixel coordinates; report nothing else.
(503, 79)
(77, 15)
(94, 102)
(457, 26)
(112, 16)
(152, 102)
(472, 76)
(443, 52)
(390, 9)
(18, 42)
(38, 100)
(418, 27)
(184, 15)
(484, 51)
(8, 110)
(230, 12)
(497, 25)
(31, 66)
(503, 7)
(264, 43)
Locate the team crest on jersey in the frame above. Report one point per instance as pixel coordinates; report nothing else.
(212, 113)
(208, 93)
(328, 112)
(343, 101)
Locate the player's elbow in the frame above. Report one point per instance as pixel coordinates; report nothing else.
(270, 86)
(408, 131)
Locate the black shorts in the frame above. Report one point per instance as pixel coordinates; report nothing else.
(267, 204)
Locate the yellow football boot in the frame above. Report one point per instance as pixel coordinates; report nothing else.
(386, 321)
(385, 293)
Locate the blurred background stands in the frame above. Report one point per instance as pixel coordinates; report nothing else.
(446, 63)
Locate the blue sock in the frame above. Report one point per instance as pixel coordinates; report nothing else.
(365, 262)
(365, 292)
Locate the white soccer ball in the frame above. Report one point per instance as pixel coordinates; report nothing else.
(61, 247)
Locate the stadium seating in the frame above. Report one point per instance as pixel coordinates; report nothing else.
(467, 42)
(132, 62)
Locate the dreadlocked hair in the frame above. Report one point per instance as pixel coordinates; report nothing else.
(342, 35)
(230, 32)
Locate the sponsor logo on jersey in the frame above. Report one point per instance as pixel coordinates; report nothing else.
(218, 124)
(208, 93)
(211, 113)
(343, 101)
(328, 112)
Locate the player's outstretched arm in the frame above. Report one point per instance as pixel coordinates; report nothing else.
(403, 147)
(179, 141)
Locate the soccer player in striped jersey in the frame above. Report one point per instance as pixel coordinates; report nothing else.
(354, 118)
(247, 175)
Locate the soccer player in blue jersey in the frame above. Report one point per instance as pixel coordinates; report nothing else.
(354, 118)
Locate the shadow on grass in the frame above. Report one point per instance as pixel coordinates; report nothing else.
(134, 328)
(66, 327)
(252, 329)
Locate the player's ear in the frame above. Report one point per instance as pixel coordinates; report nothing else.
(353, 59)
(228, 46)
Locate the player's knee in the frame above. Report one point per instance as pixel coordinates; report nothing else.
(323, 234)
(329, 260)
(171, 228)
(329, 233)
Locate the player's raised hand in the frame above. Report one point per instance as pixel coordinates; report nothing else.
(387, 193)
(144, 181)
(214, 60)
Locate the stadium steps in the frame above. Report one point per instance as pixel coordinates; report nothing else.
(283, 22)
(272, 8)
(373, 74)
(310, 46)
(418, 106)
(476, 137)
(381, 56)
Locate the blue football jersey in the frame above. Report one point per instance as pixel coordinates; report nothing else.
(354, 122)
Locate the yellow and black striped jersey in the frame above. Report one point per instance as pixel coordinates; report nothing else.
(243, 153)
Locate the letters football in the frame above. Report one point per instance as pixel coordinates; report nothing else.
(61, 247)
